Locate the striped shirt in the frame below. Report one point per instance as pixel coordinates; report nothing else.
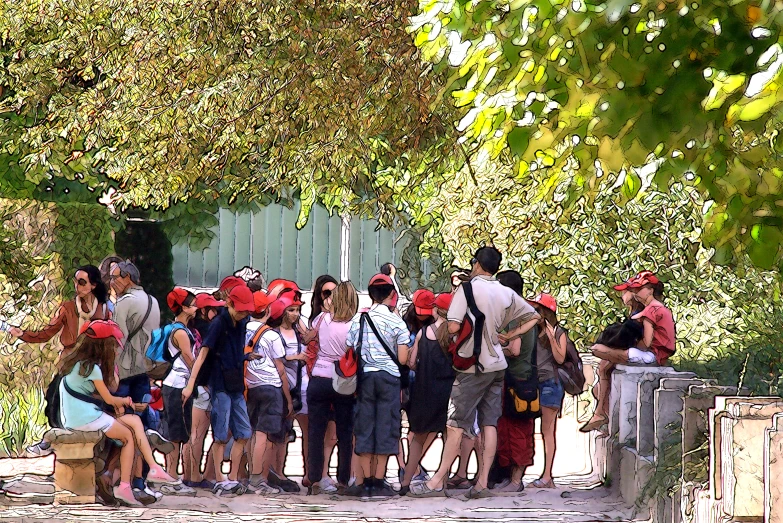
(391, 328)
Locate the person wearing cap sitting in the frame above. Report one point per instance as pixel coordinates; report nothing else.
(377, 416)
(655, 347)
(87, 370)
(226, 337)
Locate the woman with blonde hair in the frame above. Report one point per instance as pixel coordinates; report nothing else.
(321, 396)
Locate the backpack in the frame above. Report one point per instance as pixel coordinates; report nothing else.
(52, 396)
(472, 328)
(159, 358)
(571, 372)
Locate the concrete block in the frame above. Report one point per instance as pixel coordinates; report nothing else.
(773, 471)
(667, 415)
(635, 472)
(74, 465)
(737, 432)
(696, 403)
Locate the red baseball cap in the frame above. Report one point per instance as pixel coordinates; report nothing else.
(424, 301)
(102, 329)
(242, 298)
(443, 301)
(229, 282)
(380, 279)
(278, 307)
(261, 301)
(545, 300)
(279, 287)
(177, 296)
(204, 300)
(642, 279)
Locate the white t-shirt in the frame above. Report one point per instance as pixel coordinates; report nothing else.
(180, 373)
(500, 306)
(263, 371)
(292, 347)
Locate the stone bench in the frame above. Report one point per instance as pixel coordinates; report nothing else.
(74, 464)
(773, 471)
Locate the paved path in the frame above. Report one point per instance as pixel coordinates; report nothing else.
(562, 504)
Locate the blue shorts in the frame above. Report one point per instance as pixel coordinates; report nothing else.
(552, 393)
(229, 411)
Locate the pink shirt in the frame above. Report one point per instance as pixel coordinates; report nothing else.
(331, 341)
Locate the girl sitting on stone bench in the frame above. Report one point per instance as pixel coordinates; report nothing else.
(83, 371)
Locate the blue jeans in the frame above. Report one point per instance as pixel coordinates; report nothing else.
(552, 393)
(229, 411)
(137, 387)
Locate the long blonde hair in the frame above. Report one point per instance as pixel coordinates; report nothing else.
(345, 302)
(442, 333)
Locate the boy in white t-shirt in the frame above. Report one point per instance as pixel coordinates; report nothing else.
(268, 395)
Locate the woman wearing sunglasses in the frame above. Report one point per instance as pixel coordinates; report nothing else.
(89, 304)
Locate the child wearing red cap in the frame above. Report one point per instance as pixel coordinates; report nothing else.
(431, 389)
(83, 372)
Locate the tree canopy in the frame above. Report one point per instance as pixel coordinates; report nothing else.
(657, 91)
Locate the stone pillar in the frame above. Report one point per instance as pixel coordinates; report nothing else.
(668, 412)
(74, 466)
(737, 431)
(645, 408)
(773, 471)
(695, 429)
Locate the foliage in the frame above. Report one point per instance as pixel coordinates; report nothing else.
(655, 91)
(177, 101)
(84, 234)
(22, 419)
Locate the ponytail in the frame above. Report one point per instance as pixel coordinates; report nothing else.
(442, 333)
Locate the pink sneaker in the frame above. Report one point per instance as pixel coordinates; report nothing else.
(124, 496)
(158, 475)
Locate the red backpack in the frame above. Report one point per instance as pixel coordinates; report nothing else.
(472, 328)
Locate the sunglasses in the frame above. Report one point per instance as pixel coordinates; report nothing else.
(81, 282)
(326, 294)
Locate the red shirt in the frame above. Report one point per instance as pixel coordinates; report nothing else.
(663, 330)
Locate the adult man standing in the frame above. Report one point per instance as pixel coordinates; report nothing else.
(478, 391)
(138, 314)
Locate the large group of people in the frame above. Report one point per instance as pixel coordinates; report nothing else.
(476, 365)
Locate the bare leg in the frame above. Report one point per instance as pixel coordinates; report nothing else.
(516, 475)
(172, 460)
(123, 434)
(548, 427)
(330, 442)
(209, 468)
(133, 422)
(217, 454)
(466, 446)
(489, 445)
(195, 447)
(451, 448)
(258, 450)
(237, 450)
(418, 444)
(380, 467)
(305, 428)
(364, 467)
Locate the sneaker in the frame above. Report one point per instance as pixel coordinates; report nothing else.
(509, 487)
(404, 491)
(38, 450)
(382, 490)
(421, 477)
(286, 485)
(151, 492)
(262, 487)
(479, 494)
(158, 442)
(159, 476)
(206, 484)
(226, 488)
(327, 486)
(178, 490)
(125, 496)
(142, 496)
(503, 484)
(354, 491)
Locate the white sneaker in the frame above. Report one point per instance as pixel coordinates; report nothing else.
(225, 488)
(152, 492)
(177, 490)
(327, 485)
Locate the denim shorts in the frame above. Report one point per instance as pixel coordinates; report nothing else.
(551, 392)
(229, 411)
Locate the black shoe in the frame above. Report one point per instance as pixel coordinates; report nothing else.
(356, 491)
(404, 491)
(286, 485)
(382, 490)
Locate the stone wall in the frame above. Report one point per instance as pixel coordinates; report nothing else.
(669, 421)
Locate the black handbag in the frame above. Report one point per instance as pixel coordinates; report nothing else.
(296, 390)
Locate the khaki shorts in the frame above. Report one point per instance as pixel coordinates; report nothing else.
(474, 394)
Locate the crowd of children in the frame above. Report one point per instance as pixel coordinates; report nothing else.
(477, 365)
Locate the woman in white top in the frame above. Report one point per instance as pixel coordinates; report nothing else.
(332, 335)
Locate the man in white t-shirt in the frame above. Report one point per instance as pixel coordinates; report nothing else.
(479, 390)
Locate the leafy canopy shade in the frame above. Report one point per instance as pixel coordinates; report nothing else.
(654, 90)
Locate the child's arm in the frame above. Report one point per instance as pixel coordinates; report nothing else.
(286, 387)
(649, 329)
(513, 348)
(118, 403)
(415, 350)
(182, 342)
(188, 390)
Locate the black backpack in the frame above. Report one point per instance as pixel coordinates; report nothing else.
(571, 371)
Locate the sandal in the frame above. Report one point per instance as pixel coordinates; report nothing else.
(593, 424)
(457, 482)
(421, 490)
(540, 484)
